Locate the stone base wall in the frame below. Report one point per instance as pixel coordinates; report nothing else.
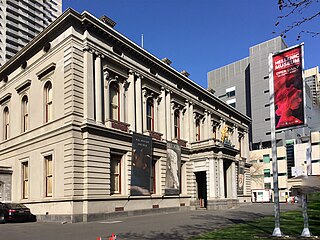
(107, 216)
(245, 200)
(222, 204)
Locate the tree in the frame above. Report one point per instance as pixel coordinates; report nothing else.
(299, 14)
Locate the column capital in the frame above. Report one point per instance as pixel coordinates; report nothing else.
(139, 75)
(87, 49)
(99, 54)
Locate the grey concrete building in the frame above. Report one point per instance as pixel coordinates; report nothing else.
(244, 84)
(22, 20)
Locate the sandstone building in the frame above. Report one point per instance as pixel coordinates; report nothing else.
(93, 125)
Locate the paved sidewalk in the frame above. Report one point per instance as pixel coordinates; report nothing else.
(181, 225)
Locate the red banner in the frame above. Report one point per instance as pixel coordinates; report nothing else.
(288, 88)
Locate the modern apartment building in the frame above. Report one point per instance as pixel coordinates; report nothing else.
(312, 77)
(94, 126)
(21, 21)
(292, 162)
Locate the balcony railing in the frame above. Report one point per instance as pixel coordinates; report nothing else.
(155, 135)
(180, 142)
(117, 125)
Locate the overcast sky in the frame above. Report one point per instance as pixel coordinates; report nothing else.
(198, 35)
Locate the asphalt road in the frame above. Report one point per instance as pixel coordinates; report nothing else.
(181, 225)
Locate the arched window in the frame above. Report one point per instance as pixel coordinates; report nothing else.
(177, 124)
(48, 102)
(198, 130)
(150, 115)
(25, 113)
(6, 122)
(114, 102)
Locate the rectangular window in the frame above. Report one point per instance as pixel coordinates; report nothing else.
(6, 121)
(115, 174)
(198, 130)
(232, 102)
(266, 158)
(25, 180)
(267, 173)
(177, 124)
(114, 102)
(231, 92)
(150, 115)
(25, 114)
(267, 186)
(233, 105)
(49, 175)
(48, 102)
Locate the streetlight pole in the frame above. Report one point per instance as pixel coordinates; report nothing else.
(276, 231)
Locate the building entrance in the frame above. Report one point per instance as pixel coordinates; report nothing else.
(201, 179)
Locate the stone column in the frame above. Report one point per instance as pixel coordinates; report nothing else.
(172, 119)
(208, 129)
(122, 103)
(168, 115)
(212, 189)
(235, 137)
(186, 122)
(139, 116)
(98, 88)
(245, 145)
(106, 96)
(220, 129)
(191, 123)
(88, 90)
(221, 177)
(155, 107)
(162, 113)
(144, 109)
(131, 111)
(234, 180)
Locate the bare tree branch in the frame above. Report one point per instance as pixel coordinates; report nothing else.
(298, 13)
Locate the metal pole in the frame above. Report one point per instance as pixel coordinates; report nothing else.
(276, 231)
(305, 231)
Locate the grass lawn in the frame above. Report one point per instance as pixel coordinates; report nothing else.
(291, 224)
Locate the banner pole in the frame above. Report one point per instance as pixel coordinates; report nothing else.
(276, 231)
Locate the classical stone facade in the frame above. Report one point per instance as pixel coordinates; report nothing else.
(71, 103)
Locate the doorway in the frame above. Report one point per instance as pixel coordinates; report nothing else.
(227, 175)
(201, 178)
(1, 191)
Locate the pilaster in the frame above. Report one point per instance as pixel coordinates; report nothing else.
(131, 111)
(88, 106)
(138, 106)
(162, 113)
(98, 88)
(168, 115)
(191, 123)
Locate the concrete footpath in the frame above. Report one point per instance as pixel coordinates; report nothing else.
(181, 225)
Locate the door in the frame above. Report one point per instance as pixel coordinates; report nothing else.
(201, 179)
